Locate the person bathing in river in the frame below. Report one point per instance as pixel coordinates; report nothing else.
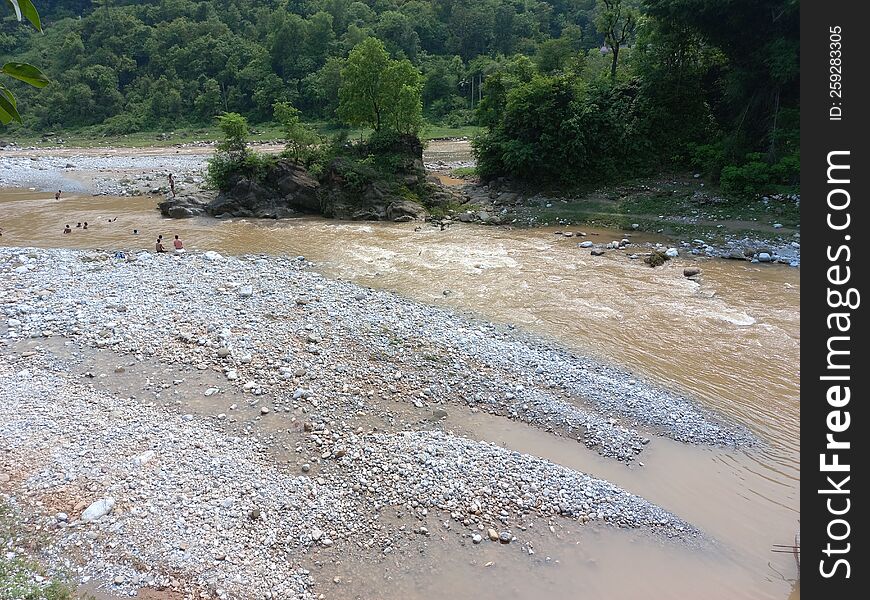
(159, 245)
(57, 195)
(78, 225)
(85, 225)
(179, 245)
(67, 229)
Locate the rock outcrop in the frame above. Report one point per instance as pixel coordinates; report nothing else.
(287, 190)
(353, 190)
(386, 182)
(185, 207)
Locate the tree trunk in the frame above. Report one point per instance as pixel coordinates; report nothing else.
(615, 51)
(772, 150)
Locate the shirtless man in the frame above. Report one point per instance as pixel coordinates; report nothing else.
(159, 246)
(57, 195)
(67, 229)
(179, 245)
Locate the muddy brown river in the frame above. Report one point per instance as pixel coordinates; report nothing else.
(731, 341)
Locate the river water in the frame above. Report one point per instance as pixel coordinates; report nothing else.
(731, 341)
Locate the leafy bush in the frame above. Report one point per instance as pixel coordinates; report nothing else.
(123, 124)
(708, 158)
(224, 170)
(757, 176)
(748, 179)
(557, 130)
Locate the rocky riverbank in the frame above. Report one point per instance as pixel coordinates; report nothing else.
(238, 414)
(122, 172)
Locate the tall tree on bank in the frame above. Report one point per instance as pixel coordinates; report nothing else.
(378, 92)
(616, 22)
(29, 74)
(298, 136)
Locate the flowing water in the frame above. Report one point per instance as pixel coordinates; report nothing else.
(731, 341)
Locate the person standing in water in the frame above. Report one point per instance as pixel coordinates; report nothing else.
(86, 225)
(172, 184)
(57, 195)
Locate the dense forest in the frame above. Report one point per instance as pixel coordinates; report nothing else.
(565, 90)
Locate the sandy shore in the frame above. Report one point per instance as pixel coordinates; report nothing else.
(240, 413)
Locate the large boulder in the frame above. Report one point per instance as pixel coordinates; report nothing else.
(295, 185)
(242, 199)
(286, 190)
(184, 207)
(405, 210)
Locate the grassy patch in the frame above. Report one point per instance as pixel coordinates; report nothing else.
(434, 132)
(464, 172)
(677, 206)
(19, 576)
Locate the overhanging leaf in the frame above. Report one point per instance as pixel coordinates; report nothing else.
(26, 73)
(30, 13)
(8, 110)
(25, 9)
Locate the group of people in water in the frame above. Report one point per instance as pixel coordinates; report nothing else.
(158, 247)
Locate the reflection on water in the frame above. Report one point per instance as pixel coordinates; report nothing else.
(732, 341)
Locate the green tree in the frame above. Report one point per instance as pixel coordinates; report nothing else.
(27, 73)
(322, 87)
(300, 138)
(616, 21)
(235, 129)
(378, 92)
(208, 101)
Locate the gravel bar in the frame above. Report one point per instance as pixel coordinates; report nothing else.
(348, 380)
